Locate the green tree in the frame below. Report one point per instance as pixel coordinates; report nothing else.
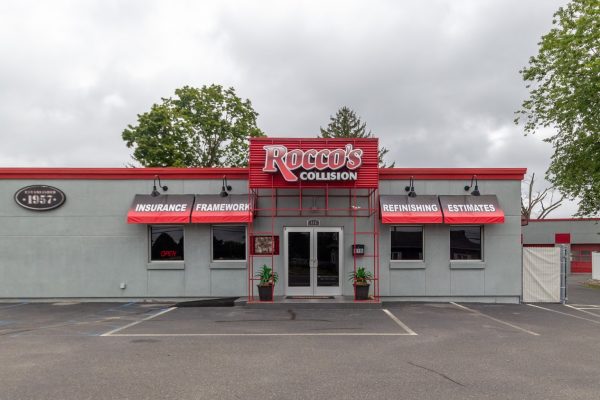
(205, 127)
(346, 124)
(564, 95)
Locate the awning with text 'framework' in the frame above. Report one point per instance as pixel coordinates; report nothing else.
(162, 209)
(470, 209)
(210, 208)
(402, 209)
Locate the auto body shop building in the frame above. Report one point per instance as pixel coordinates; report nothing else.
(313, 209)
(580, 235)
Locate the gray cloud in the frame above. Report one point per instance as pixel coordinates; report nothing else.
(437, 81)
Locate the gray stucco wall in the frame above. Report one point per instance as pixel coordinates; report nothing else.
(499, 275)
(86, 248)
(542, 232)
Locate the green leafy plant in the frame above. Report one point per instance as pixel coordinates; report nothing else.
(563, 80)
(267, 276)
(361, 276)
(197, 127)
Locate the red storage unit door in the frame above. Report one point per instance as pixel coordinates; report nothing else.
(581, 257)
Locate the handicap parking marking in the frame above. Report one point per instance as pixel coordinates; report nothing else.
(114, 331)
(399, 323)
(479, 313)
(595, 321)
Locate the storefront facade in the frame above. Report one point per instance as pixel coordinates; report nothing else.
(313, 209)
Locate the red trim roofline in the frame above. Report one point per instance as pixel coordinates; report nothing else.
(564, 219)
(122, 173)
(453, 173)
(242, 173)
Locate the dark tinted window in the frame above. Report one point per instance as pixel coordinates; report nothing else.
(465, 243)
(229, 242)
(407, 243)
(166, 243)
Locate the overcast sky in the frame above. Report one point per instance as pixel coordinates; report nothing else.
(436, 81)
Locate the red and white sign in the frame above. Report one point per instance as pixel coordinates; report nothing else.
(482, 209)
(216, 209)
(325, 161)
(314, 162)
(402, 209)
(163, 209)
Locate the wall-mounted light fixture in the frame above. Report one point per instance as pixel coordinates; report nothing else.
(160, 185)
(475, 191)
(225, 187)
(411, 187)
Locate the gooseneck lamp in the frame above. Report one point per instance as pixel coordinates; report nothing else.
(411, 187)
(160, 185)
(475, 191)
(225, 187)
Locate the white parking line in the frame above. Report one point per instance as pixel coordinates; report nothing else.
(400, 323)
(114, 332)
(583, 310)
(495, 319)
(563, 313)
(111, 333)
(586, 305)
(13, 305)
(257, 334)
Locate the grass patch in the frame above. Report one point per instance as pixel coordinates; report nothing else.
(592, 283)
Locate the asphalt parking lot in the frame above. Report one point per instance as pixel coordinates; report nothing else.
(407, 351)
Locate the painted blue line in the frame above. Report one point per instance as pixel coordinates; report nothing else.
(118, 308)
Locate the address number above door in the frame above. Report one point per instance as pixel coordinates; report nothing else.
(40, 197)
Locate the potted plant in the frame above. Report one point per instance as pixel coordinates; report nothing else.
(361, 278)
(267, 279)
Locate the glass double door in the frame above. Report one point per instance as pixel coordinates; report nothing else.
(313, 261)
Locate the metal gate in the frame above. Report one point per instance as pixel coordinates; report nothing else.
(545, 274)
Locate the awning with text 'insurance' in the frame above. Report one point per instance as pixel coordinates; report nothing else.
(210, 208)
(401, 209)
(162, 209)
(471, 209)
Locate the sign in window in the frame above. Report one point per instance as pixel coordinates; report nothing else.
(166, 243)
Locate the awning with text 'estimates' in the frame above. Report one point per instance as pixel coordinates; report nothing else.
(422, 209)
(162, 209)
(216, 209)
(482, 209)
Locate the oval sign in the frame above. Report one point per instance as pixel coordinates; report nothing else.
(40, 197)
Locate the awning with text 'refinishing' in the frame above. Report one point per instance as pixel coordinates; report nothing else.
(216, 209)
(162, 209)
(482, 209)
(422, 209)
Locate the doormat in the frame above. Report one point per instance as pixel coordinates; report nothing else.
(310, 297)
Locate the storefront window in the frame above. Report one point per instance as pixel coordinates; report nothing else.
(228, 243)
(166, 243)
(407, 243)
(465, 243)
